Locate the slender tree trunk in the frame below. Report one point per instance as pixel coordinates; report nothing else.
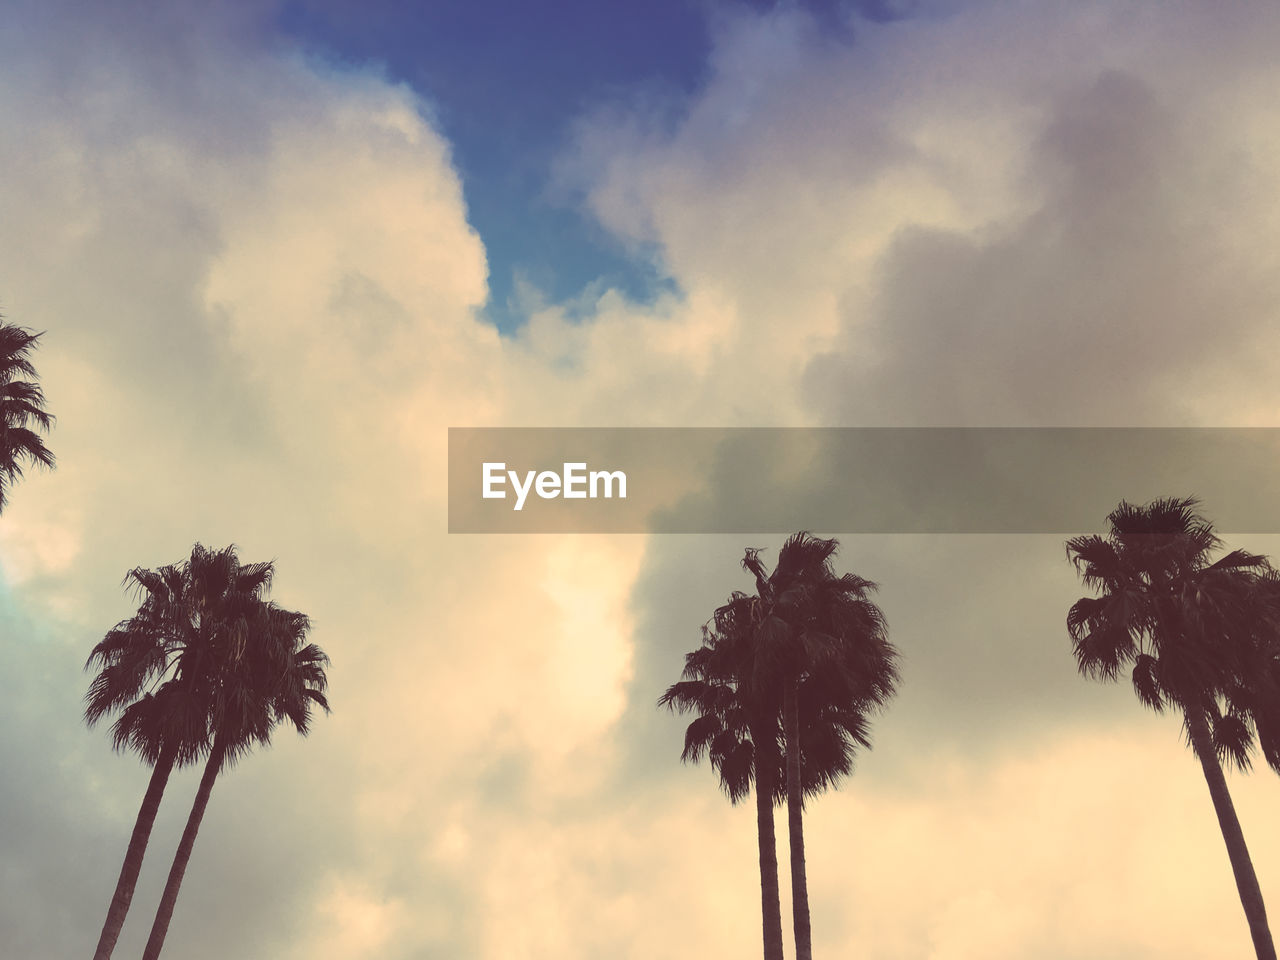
(795, 824)
(165, 913)
(766, 760)
(1246, 880)
(137, 848)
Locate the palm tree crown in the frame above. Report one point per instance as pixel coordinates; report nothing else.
(717, 685)
(812, 624)
(160, 668)
(1189, 629)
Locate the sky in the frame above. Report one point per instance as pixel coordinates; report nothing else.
(507, 84)
(277, 249)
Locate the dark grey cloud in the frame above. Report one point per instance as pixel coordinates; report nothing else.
(1119, 294)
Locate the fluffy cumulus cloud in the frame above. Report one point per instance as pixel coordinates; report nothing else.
(261, 292)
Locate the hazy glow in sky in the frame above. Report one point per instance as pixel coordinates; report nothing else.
(279, 249)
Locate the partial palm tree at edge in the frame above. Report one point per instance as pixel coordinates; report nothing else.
(21, 408)
(1190, 630)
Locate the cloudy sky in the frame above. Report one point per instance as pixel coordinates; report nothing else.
(278, 248)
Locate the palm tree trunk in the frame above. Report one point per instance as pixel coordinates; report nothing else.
(1246, 880)
(795, 825)
(770, 906)
(165, 913)
(137, 848)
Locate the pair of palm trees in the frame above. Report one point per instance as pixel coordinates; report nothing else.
(783, 685)
(205, 668)
(1197, 635)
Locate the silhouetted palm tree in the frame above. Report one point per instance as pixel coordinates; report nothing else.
(739, 729)
(21, 408)
(738, 733)
(1192, 629)
(817, 638)
(268, 674)
(804, 661)
(153, 673)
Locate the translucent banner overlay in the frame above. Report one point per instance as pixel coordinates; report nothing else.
(852, 480)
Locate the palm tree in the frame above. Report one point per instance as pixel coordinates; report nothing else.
(802, 662)
(150, 675)
(268, 673)
(21, 408)
(818, 638)
(739, 736)
(738, 728)
(1192, 629)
